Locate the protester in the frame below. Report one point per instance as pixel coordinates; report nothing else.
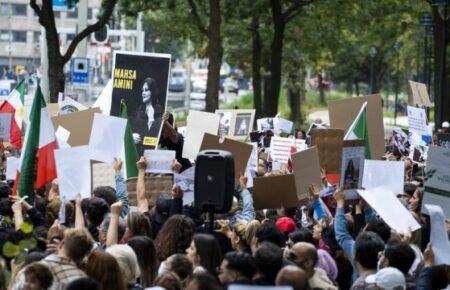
(156, 238)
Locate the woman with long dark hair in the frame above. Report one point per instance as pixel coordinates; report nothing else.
(204, 253)
(174, 236)
(146, 254)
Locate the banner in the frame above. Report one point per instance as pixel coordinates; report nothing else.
(141, 80)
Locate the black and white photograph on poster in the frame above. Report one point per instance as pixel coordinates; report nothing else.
(353, 154)
(265, 124)
(141, 80)
(242, 124)
(225, 122)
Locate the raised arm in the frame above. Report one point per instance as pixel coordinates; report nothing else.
(112, 235)
(121, 187)
(248, 211)
(343, 237)
(79, 218)
(141, 198)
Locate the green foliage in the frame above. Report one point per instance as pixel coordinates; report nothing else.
(10, 250)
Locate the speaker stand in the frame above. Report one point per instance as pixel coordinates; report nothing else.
(209, 208)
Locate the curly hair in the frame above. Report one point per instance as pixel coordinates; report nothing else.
(174, 237)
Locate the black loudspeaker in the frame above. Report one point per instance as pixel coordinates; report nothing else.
(214, 181)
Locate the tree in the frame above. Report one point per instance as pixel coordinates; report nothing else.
(214, 51)
(57, 60)
(281, 17)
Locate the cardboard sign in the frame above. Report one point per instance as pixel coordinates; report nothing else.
(274, 191)
(353, 154)
(241, 151)
(79, 124)
(5, 126)
(236, 124)
(390, 209)
(443, 140)
(306, 171)
(343, 113)
(329, 142)
(420, 94)
(53, 109)
(154, 187)
(198, 123)
(437, 181)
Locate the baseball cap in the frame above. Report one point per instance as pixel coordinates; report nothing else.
(388, 279)
(162, 209)
(286, 225)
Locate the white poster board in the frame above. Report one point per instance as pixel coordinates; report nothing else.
(198, 123)
(280, 148)
(12, 164)
(73, 168)
(107, 137)
(417, 121)
(5, 126)
(438, 235)
(390, 209)
(352, 168)
(159, 161)
(389, 174)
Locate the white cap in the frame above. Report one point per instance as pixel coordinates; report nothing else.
(445, 124)
(388, 279)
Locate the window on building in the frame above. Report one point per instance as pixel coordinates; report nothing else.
(4, 35)
(36, 36)
(72, 14)
(69, 37)
(19, 36)
(4, 9)
(19, 9)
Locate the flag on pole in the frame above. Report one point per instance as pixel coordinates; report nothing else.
(358, 130)
(37, 161)
(130, 153)
(14, 105)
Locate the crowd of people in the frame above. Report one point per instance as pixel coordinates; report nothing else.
(104, 243)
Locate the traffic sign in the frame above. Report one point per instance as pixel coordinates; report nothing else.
(61, 5)
(80, 70)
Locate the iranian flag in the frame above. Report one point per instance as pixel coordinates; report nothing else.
(37, 161)
(14, 105)
(130, 155)
(358, 130)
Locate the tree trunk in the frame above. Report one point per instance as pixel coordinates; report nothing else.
(215, 52)
(321, 87)
(256, 67)
(355, 81)
(271, 100)
(55, 72)
(441, 100)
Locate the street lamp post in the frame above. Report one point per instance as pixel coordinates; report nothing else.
(442, 6)
(397, 46)
(373, 53)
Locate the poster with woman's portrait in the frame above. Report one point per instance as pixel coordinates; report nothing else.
(353, 154)
(141, 80)
(236, 124)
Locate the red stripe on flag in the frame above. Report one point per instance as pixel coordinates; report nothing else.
(15, 134)
(46, 164)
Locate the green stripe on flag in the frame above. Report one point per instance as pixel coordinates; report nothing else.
(21, 89)
(131, 156)
(28, 165)
(361, 131)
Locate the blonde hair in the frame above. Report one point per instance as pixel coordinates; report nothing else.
(128, 262)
